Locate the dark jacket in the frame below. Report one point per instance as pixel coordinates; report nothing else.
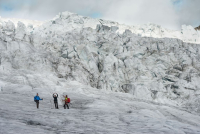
(55, 98)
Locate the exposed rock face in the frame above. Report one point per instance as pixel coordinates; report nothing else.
(197, 28)
(164, 69)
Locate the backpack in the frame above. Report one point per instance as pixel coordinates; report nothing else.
(68, 100)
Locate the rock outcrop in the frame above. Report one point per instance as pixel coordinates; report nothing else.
(197, 28)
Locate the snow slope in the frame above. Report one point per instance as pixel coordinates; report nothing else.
(187, 33)
(33, 23)
(94, 59)
(92, 111)
(73, 21)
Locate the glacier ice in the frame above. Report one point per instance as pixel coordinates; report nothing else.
(100, 56)
(148, 62)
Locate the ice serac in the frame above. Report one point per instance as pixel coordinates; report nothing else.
(104, 55)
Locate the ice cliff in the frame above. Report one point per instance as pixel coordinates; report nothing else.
(149, 62)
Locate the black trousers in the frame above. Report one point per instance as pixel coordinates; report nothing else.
(37, 103)
(66, 104)
(56, 104)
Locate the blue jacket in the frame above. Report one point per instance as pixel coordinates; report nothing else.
(37, 98)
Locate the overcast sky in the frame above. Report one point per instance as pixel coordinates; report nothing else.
(167, 13)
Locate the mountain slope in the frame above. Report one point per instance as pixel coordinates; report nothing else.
(160, 69)
(92, 111)
(103, 57)
(73, 21)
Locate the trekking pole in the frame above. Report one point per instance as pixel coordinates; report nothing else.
(51, 105)
(61, 101)
(70, 104)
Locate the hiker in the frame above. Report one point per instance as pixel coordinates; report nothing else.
(55, 96)
(37, 99)
(66, 102)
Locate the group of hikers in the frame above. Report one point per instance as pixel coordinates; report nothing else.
(55, 96)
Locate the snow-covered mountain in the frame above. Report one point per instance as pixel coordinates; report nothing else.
(27, 23)
(73, 21)
(148, 62)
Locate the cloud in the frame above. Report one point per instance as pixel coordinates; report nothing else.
(189, 13)
(161, 12)
(167, 13)
(18, 8)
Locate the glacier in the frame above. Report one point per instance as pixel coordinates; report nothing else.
(121, 79)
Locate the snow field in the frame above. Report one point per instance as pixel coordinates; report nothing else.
(91, 111)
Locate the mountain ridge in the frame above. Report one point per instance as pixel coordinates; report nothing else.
(187, 33)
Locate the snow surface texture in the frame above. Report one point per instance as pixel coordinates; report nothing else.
(92, 112)
(71, 48)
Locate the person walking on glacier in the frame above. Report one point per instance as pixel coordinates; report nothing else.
(55, 96)
(67, 101)
(37, 99)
